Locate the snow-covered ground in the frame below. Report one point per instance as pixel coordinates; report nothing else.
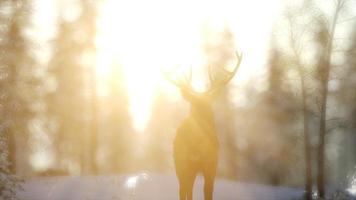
(144, 186)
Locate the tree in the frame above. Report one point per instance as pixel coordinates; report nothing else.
(296, 47)
(67, 94)
(88, 26)
(118, 121)
(279, 108)
(326, 41)
(163, 117)
(17, 83)
(69, 105)
(315, 37)
(9, 184)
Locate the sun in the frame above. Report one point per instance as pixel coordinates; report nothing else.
(145, 37)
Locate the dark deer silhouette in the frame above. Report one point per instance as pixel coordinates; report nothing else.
(195, 148)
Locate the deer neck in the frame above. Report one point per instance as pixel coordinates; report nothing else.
(204, 119)
(205, 123)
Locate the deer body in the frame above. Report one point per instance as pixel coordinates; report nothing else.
(195, 150)
(195, 147)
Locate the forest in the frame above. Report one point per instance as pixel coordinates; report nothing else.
(84, 92)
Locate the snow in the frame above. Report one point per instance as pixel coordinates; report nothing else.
(144, 186)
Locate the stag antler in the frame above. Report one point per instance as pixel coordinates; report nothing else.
(214, 84)
(183, 85)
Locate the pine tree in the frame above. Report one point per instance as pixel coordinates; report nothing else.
(165, 115)
(280, 106)
(73, 98)
(9, 184)
(16, 85)
(63, 103)
(119, 123)
(16, 67)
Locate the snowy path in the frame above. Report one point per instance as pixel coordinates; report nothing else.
(144, 187)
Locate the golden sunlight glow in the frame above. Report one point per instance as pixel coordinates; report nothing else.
(41, 160)
(147, 36)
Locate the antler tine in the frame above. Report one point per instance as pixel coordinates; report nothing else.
(188, 78)
(230, 74)
(170, 79)
(210, 73)
(185, 85)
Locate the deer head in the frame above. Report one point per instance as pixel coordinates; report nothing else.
(201, 101)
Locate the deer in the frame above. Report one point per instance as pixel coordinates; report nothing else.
(195, 145)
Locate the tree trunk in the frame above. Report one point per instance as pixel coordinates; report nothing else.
(11, 145)
(324, 94)
(94, 126)
(321, 146)
(12, 115)
(308, 167)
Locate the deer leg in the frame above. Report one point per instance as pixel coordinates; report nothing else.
(209, 178)
(190, 185)
(208, 187)
(182, 188)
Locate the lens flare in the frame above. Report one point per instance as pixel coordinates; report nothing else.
(352, 186)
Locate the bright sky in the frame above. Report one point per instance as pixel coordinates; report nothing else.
(146, 36)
